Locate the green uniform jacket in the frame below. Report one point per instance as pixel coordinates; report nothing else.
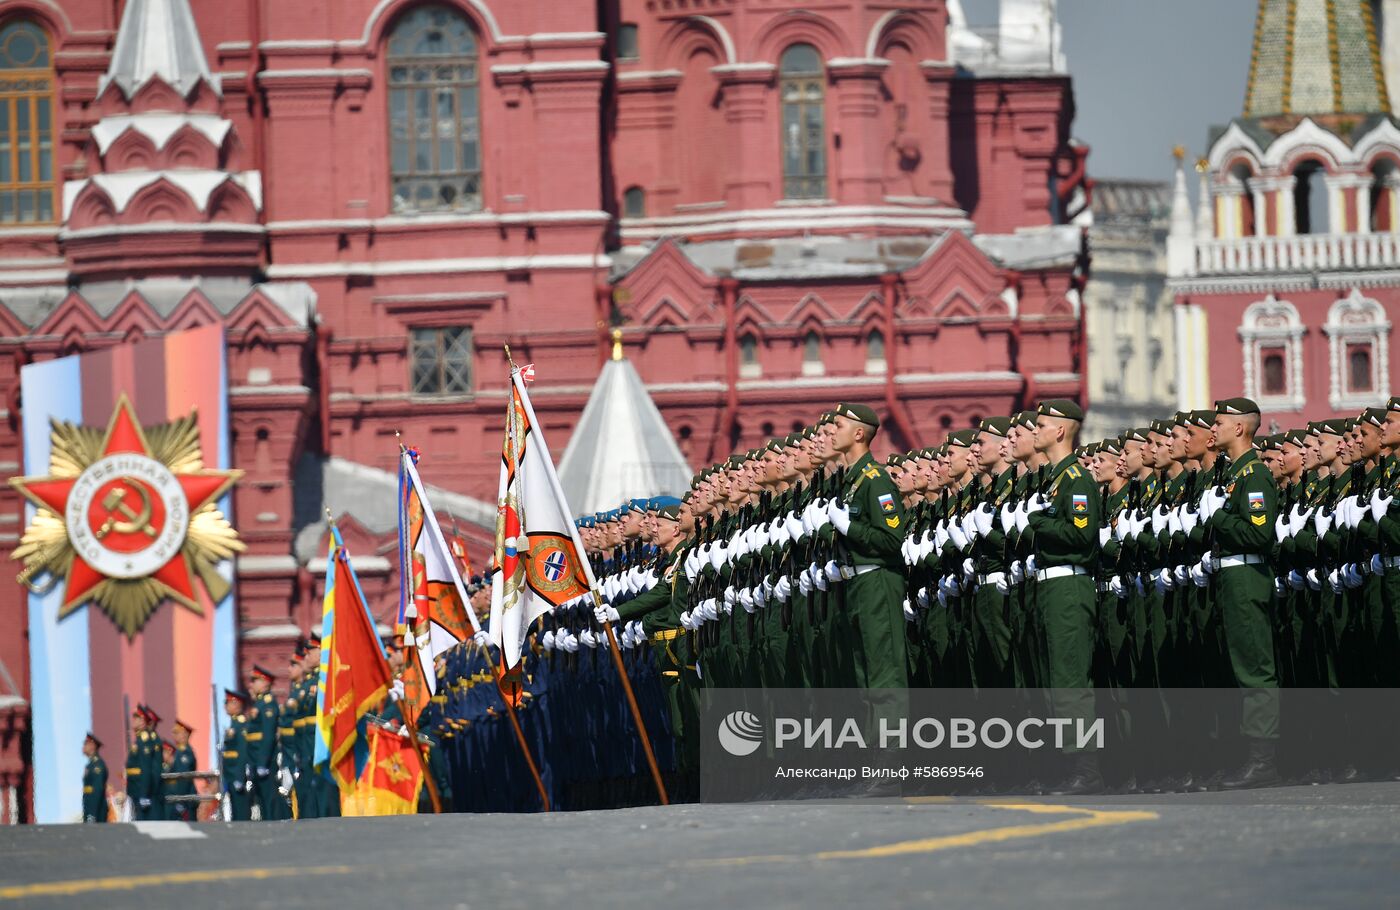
(1067, 532)
(652, 606)
(877, 516)
(235, 755)
(261, 732)
(1245, 524)
(95, 790)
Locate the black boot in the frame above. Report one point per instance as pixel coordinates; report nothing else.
(1085, 779)
(1258, 769)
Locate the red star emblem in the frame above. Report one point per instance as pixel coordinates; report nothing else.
(129, 516)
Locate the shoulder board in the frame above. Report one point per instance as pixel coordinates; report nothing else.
(872, 472)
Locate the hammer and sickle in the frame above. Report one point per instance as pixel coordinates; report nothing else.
(116, 505)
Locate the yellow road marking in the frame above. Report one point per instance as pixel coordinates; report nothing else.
(1084, 819)
(128, 882)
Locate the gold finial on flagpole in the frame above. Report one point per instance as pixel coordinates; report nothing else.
(617, 344)
(509, 359)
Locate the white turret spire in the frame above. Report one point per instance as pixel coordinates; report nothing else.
(157, 39)
(1181, 239)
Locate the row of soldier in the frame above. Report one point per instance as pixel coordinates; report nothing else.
(1182, 554)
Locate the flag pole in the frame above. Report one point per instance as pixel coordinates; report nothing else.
(496, 671)
(433, 796)
(597, 601)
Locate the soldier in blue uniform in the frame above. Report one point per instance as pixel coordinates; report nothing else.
(94, 782)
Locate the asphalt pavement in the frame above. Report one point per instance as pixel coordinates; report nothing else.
(1313, 847)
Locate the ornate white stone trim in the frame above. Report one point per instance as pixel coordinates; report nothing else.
(1273, 323)
(1357, 319)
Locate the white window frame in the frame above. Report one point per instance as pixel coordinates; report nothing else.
(1273, 323)
(1357, 320)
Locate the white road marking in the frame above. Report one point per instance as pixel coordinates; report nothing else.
(167, 830)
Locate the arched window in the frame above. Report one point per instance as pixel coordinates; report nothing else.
(875, 352)
(1242, 177)
(812, 355)
(26, 125)
(802, 90)
(749, 367)
(1272, 337)
(1383, 182)
(1358, 341)
(1311, 208)
(434, 112)
(634, 202)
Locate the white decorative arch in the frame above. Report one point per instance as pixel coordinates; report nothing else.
(1384, 137)
(1272, 324)
(382, 8)
(1307, 136)
(1351, 321)
(725, 40)
(1231, 142)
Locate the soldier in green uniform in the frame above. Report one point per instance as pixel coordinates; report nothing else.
(94, 782)
(869, 517)
(262, 745)
(236, 764)
(1241, 520)
(182, 761)
(143, 768)
(991, 629)
(1064, 522)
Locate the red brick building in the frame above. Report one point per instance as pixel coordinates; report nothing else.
(781, 207)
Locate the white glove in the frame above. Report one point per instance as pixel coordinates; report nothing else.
(1016, 571)
(1313, 581)
(1030, 565)
(1348, 510)
(1182, 575)
(1334, 580)
(940, 539)
(909, 614)
(1165, 581)
(746, 599)
(1380, 503)
(819, 579)
(587, 638)
(1322, 520)
(1115, 585)
(840, 516)
(547, 640)
(957, 534)
(795, 528)
(983, 518)
(1296, 581)
(1298, 518)
(1104, 534)
(1008, 517)
(783, 589)
(481, 638)
(804, 583)
(396, 691)
(969, 526)
(833, 571)
(1003, 584)
(686, 622)
(922, 597)
(1189, 519)
(1207, 563)
(942, 597)
(1199, 576)
(1174, 525)
(1159, 520)
(605, 612)
(1036, 503)
(1352, 575)
(1280, 530)
(1377, 564)
(906, 550)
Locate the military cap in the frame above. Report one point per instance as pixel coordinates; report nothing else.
(265, 673)
(662, 502)
(670, 513)
(167, 744)
(139, 711)
(1161, 427)
(962, 438)
(183, 726)
(861, 413)
(997, 426)
(1295, 437)
(1236, 406)
(94, 740)
(238, 694)
(1394, 404)
(1265, 443)
(313, 640)
(150, 713)
(1334, 427)
(734, 461)
(894, 461)
(1112, 446)
(1374, 416)
(1024, 419)
(1060, 407)
(1203, 418)
(1137, 434)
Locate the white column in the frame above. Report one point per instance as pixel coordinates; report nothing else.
(1257, 188)
(1287, 212)
(1228, 197)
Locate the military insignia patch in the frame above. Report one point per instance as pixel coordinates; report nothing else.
(887, 502)
(892, 522)
(1079, 503)
(1081, 522)
(871, 472)
(1256, 502)
(1258, 520)
(1230, 489)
